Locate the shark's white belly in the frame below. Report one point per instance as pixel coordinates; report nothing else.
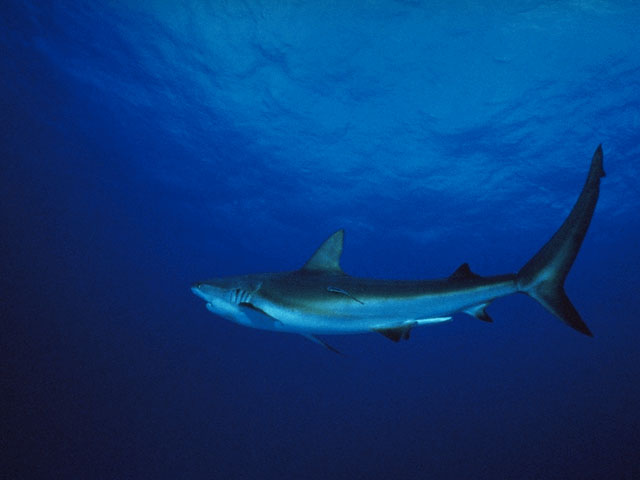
(345, 314)
(345, 320)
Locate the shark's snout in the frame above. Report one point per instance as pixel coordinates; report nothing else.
(195, 288)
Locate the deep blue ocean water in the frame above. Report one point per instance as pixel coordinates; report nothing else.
(146, 145)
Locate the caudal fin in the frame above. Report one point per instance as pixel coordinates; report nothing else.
(542, 277)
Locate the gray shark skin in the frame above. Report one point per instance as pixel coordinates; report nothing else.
(321, 299)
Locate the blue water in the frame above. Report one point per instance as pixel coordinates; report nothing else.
(146, 145)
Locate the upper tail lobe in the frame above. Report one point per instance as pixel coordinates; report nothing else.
(542, 277)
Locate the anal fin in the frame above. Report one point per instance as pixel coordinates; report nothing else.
(479, 311)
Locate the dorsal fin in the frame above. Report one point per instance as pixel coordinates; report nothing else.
(464, 271)
(327, 256)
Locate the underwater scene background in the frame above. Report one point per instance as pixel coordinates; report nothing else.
(146, 145)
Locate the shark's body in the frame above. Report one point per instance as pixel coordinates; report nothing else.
(321, 299)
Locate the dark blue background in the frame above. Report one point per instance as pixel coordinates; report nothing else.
(147, 146)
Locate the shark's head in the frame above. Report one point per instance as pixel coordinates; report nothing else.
(238, 298)
(231, 298)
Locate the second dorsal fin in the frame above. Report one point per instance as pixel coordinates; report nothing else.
(326, 259)
(463, 271)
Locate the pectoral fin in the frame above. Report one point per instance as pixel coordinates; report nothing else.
(258, 317)
(315, 339)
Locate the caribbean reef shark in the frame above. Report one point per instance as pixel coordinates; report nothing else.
(320, 299)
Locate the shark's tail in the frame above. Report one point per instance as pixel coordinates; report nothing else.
(542, 277)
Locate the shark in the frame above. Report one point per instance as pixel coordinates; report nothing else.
(320, 299)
